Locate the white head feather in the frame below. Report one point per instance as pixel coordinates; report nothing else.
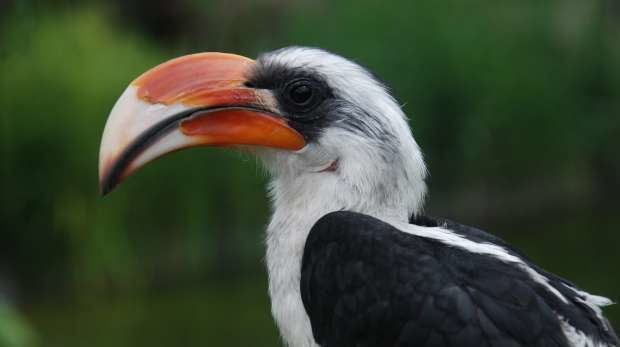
(380, 166)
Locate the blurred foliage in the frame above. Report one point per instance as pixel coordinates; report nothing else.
(516, 105)
(14, 331)
(207, 317)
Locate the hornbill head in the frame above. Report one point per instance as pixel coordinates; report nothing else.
(309, 114)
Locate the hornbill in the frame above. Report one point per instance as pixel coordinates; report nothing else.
(352, 260)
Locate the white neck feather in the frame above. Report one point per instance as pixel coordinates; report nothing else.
(301, 195)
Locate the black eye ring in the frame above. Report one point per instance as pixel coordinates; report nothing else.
(301, 92)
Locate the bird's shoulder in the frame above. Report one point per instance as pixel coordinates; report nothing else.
(365, 282)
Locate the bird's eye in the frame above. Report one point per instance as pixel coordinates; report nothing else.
(301, 93)
(302, 96)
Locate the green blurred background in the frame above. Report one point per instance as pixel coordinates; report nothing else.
(516, 104)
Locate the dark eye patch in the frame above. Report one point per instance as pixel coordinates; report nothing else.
(299, 91)
(304, 98)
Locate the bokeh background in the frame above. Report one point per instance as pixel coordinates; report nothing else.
(516, 104)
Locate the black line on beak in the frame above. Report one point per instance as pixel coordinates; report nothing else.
(151, 135)
(113, 176)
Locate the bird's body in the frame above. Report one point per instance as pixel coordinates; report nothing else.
(318, 300)
(436, 283)
(351, 260)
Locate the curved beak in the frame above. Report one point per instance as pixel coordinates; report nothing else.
(195, 100)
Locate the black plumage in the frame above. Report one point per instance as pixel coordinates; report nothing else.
(366, 283)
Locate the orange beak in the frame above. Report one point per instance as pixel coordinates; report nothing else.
(194, 100)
